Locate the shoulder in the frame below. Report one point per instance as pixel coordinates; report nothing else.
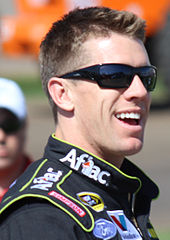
(38, 198)
(35, 219)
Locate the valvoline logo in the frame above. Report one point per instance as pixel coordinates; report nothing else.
(125, 228)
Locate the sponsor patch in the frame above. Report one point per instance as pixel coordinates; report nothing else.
(152, 232)
(85, 164)
(125, 228)
(45, 182)
(92, 200)
(68, 202)
(104, 229)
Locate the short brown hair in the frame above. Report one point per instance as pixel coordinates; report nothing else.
(61, 47)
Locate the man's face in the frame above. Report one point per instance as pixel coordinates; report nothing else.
(99, 112)
(11, 147)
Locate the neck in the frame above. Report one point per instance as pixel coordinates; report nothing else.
(78, 140)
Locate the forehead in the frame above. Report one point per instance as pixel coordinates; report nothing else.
(116, 48)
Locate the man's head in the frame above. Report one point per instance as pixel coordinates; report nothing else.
(12, 123)
(62, 49)
(108, 121)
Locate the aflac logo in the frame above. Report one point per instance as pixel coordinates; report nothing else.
(46, 182)
(86, 163)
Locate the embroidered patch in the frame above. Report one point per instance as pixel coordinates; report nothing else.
(151, 231)
(68, 202)
(125, 228)
(92, 200)
(85, 164)
(104, 229)
(45, 182)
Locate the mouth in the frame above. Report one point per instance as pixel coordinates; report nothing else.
(3, 153)
(131, 118)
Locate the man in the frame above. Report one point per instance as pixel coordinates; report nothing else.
(97, 75)
(13, 114)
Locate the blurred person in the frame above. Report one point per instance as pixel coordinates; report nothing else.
(98, 78)
(13, 124)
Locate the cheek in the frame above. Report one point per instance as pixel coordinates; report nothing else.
(13, 145)
(16, 144)
(85, 102)
(149, 101)
(95, 105)
(147, 106)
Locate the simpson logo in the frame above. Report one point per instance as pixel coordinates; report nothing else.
(92, 200)
(68, 202)
(125, 228)
(85, 164)
(47, 181)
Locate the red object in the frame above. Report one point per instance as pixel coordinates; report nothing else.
(28, 162)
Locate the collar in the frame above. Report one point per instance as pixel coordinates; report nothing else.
(128, 179)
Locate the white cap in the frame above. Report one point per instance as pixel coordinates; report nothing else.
(12, 98)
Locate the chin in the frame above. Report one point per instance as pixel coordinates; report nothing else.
(4, 164)
(134, 148)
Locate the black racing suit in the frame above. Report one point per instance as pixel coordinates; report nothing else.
(73, 194)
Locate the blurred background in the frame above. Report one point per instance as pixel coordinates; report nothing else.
(23, 24)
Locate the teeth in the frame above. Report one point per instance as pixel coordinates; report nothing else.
(128, 115)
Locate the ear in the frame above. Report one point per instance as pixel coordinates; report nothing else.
(60, 93)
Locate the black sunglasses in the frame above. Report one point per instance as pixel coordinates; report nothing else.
(116, 75)
(10, 127)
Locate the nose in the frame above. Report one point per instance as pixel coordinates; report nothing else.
(136, 89)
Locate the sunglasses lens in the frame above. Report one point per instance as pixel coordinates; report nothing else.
(121, 76)
(115, 76)
(148, 77)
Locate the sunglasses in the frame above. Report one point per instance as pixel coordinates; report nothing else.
(116, 75)
(10, 126)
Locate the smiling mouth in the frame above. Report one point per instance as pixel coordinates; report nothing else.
(129, 118)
